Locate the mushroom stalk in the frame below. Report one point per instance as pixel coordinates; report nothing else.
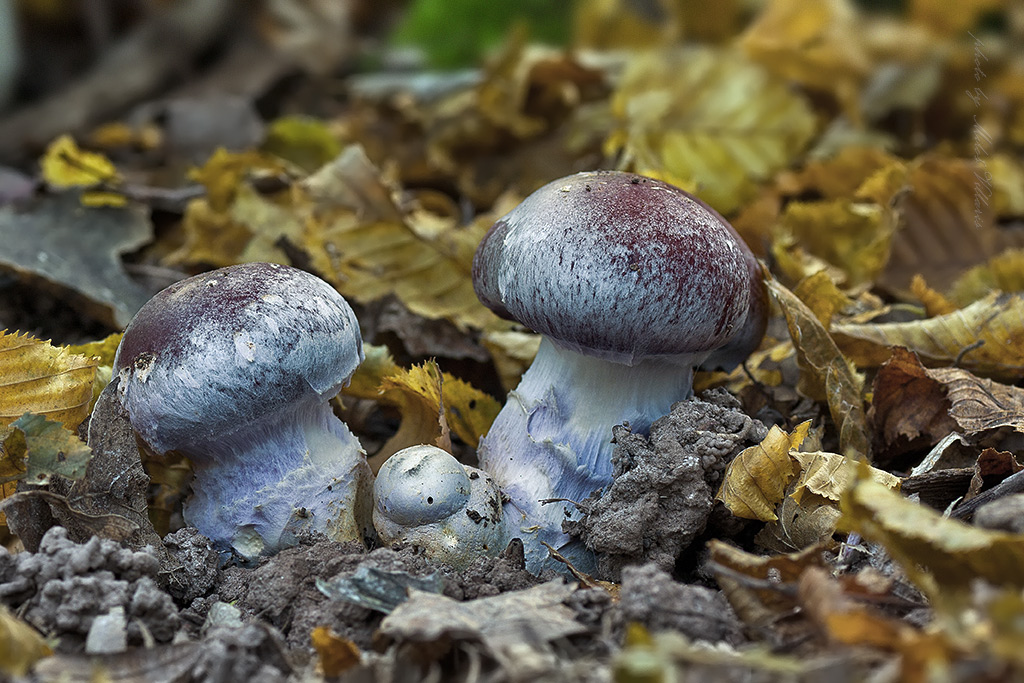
(302, 472)
(553, 438)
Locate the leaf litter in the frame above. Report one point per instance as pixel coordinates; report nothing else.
(813, 523)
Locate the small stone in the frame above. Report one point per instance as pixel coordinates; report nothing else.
(108, 634)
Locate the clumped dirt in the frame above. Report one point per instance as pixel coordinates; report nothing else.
(205, 622)
(663, 493)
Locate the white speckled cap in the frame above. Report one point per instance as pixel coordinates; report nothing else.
(214, 353)
(618, 266)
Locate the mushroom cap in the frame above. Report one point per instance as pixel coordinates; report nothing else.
(214, 353)
(618, 266)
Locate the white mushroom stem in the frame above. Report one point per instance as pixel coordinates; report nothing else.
(553, 438)
(267, 481)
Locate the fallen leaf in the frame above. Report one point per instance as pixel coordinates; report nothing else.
(909, 409)
(1004, 272)
(337, 654)
(822, 296)
(825, 373)
(710, 117)
(755, 481)
(510, 625)
(368, 248)
(64, 165)
(21, 646)
(934, 302)
(986, 337)
(78, 250)
(43, 379)
(939, 554)
(819, 44)
(937, 16)
(40, 449)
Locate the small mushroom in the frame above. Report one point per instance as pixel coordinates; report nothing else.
(235, 368)
(424, 496)
(633, 283)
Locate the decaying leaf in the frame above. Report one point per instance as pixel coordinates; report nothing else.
(509, 626)
(822, 296)
(1004, 272)
(36, 377)
(939, 554)
(710, 118)
(909, 409)
(361, 241)
(78, 250)
(825, 373)
(934, 302)
(986, 337)
(40, 449)
(21, 646)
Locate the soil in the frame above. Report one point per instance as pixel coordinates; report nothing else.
(407, 619)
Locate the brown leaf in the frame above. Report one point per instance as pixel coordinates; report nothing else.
(755, 481)
(934, 302)
(337, 654)
(510, 625)
(825, 373)
(909, 409)
(986, 337)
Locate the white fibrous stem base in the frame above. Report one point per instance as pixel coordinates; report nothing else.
(553, 438)
(268, 482)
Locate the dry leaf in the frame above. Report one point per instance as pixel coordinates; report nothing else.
(43, 379)
(709, 117)
(986, 337)
(363, 244)
(818, 43)
(35, 449)
(510, 626)
(1004, 272)
(822, 296)
(939, 554)
(951, 21)
(64, 165)
(825, 373)
(755, 481)
(909, 408)
(934, 302)
(21, 646)
(79, 251)
(337, 654)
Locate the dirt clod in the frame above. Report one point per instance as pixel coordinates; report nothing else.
(663, 490)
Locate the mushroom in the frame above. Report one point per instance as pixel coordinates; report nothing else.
(633, 283)
(424, 496)
(234, 369)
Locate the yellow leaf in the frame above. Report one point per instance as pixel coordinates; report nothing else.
(95, 199)
(103, 350)
(21, 646)
(211, 237)
(824, 373)
(822, 296)
(934, 303)
(36, 377)
(377, 364)
(756, 480)
(224, 172)
(939, 554)
(710, 117)
(1004, 272)
(337, 654)
(65, 165)
(368, 248)
(818, 43)
(946, 20)
(986, 337)
(302, 140)
(512, 352)
(854, 236)
(829, 474)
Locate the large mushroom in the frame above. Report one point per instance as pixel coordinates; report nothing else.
(633, 283)
(234, 368)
